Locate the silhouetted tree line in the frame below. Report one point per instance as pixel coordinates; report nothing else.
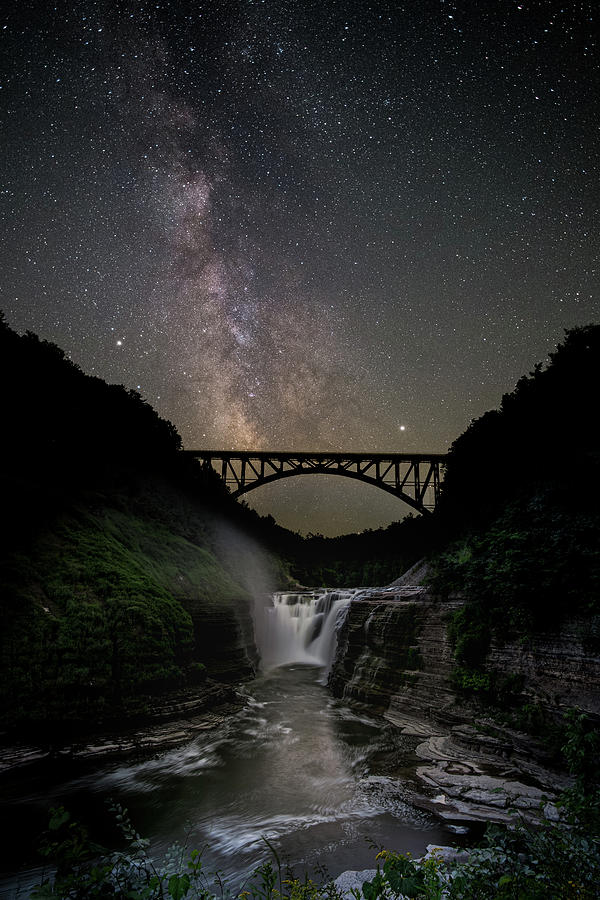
(539, 451)
(68, 437)
(65, 433)
(109, 531)
(60, 417)
(68, 432)
(521, 514)
(545, 433)
(113, 571)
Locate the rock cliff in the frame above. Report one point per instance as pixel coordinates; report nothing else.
(394, 655)
(224, 638)
(393, 652)
(394, 658)
(558, 669)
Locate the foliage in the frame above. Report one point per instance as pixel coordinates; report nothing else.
(525, 551)
(369, 558)
(558, 860)
(524, 863)
(57, 410)
(84, 869)
(581, 750)
(544, 433)
(106, 609)
(538, 562)
(542, 439)
(526, 548)
(399, 876)
(525, 522)
(115, 581)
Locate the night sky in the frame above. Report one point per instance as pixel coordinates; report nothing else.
(297, 225)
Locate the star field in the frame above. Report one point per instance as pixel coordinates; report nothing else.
(301, 225)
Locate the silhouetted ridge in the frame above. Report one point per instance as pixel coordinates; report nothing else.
(539, 450)
(116, 582)
(56, 412)
(545, 433)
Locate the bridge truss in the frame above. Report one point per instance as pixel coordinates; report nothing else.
(414, 478)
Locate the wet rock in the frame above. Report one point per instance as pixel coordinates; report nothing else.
(471, 790)
(447, 854)
(224, 639)
(351, 881)
(174, 719)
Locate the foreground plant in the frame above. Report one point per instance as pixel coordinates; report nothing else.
(555, 862)
(85, 869)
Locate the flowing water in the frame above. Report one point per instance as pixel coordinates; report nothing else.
(292, 766)
(301, 628)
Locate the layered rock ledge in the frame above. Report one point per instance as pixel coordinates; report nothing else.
(394, 659)
(174, 719)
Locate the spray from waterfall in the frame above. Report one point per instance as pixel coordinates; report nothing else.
(289, 628)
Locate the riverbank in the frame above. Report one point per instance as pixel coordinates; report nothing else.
(321, 781)
(466, 774)
(174, 718)
(394, 761)
(291, 764)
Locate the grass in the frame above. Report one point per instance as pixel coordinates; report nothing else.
(102, 609)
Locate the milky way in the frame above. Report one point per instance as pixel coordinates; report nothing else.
(296, 225)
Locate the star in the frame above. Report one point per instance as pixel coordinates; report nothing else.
(379, 212)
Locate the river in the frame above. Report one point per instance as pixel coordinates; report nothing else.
(293, 765)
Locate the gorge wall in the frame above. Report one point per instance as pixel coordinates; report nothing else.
(474, 761)
(394, 656)
(224, 637)
(110, 609)
(393, 651)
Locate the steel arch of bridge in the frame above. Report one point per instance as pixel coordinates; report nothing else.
(414, 478)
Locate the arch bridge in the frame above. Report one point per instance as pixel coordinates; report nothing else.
(414, 478)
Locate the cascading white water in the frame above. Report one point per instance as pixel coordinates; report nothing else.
(302, 628)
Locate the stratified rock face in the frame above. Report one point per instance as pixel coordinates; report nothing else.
(224, 640)
(393, 651)
(394, 656)
(558, 670)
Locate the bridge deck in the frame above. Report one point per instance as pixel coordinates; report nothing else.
(414, 478)
(283, 455)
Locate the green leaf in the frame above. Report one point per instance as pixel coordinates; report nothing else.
(179, 885)
(369, 890)
(59, 817)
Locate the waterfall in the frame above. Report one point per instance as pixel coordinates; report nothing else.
(302, 628)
